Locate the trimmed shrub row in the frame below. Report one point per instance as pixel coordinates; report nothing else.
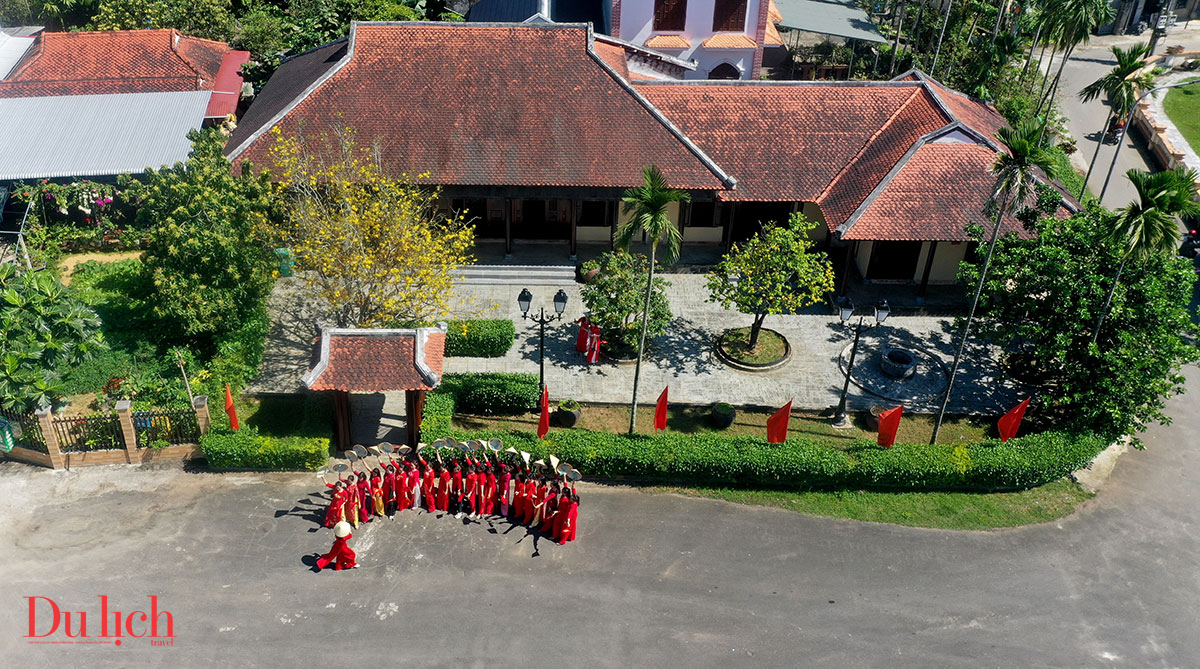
(490, 394)
(1021, 463)
(247, 449)
(480, 338)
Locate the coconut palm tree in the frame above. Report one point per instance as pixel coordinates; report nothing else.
(1076, 19)
(647, 207)
(1149, 225)
(1016, 177)
(1121, 85)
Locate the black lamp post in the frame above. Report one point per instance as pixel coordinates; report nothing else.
(560, 305)
(846, 312)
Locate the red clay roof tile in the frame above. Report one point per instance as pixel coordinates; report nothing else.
(121, 61)
(934, 196)
(520, 105)
(376, 361)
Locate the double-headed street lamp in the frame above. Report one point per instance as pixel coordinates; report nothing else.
(560, 305)
(846, 312)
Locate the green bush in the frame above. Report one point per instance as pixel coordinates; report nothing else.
(247, 449)
(1020, 463)
(438, 413)
(481, 338)
(492, 394)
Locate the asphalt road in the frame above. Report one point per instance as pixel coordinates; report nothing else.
(652, 580)
(1084, 120)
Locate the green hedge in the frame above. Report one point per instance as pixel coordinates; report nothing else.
(1021, 463)
(247, 449)
(480, 338)
(491, 394)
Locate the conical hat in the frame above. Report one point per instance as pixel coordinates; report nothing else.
(342, 529)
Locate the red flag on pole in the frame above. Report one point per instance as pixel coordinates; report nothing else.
(544, 421)
(660, 411)
(1010, 422)
(229, 408)
(889, 422)
(777, 424)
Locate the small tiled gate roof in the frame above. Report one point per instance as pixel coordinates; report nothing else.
(376, 361)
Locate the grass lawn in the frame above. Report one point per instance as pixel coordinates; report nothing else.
(942, 510)
(1183, 107)
(913, 428)
(770, 347)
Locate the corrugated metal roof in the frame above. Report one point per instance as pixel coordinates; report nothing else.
(11, 50)
(96, 135)
(833, 17)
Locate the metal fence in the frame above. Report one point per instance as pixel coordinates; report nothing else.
(80, 434)
(26, 430)
(156, 429)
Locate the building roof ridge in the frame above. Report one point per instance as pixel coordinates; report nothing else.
(867, 144)
(711, 165)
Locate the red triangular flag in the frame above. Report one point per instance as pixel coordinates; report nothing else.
(660, 411)
(1010, 422)
(889, 422)
(229, 408)
(777, 424)
(544, 421)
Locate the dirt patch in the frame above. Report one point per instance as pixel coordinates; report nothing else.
(66, 266)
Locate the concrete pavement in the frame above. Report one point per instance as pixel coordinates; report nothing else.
(661, 581)
(1085, 120)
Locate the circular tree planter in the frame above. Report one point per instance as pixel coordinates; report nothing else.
(727, 350)
(621, 356)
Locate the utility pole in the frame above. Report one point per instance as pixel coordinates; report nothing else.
(1159, 29)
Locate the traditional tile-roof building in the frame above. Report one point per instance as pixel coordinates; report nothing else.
(536, 129)
(97, 104)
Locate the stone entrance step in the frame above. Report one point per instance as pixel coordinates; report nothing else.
(518, 275)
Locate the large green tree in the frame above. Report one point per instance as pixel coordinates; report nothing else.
(648, 207)
(1039, 302)
(210, 19)
(615, 300)
(1016, 180)
(1149, 225)
(774, 272)
(44, 329)
(209, 261)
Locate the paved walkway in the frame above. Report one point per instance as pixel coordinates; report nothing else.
(682, 358)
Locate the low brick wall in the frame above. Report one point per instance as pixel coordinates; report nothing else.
(55, 458)
(30, 457)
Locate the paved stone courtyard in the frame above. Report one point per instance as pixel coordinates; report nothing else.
(682, 358)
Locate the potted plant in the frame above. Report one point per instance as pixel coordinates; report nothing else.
(722, 415)
(568, 413)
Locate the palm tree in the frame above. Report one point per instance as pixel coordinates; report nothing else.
(1150, 224)
(647, 207)
(1121, 86)
(941, 34)
(1015, 172)
(1076, 20)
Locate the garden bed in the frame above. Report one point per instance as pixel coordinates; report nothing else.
(695, 456)
(772, 352)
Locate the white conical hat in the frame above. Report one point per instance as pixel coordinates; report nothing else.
(342, 529)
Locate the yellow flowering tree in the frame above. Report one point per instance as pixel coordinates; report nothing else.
(374, 247)
(775, 272)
